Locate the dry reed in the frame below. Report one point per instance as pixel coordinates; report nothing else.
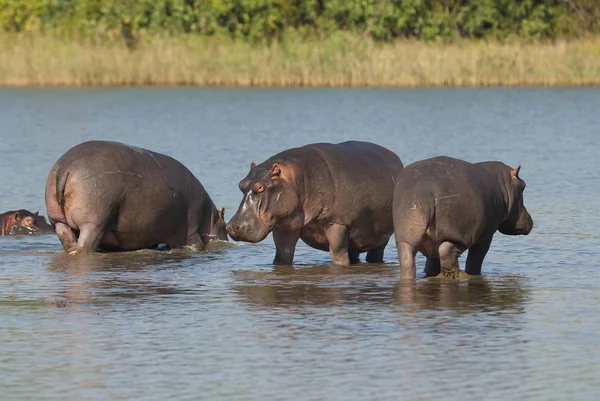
(47, 61)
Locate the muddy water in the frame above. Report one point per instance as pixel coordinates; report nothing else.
(226, 324)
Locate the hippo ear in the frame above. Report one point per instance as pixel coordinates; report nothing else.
(252, 165)
(515, 172)
(36, 213)
(221, 213)
(17, 216)
(275, 171)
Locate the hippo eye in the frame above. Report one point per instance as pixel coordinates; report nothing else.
(258, 188)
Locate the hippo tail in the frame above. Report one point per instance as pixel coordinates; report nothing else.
(424, 219)
(61, 183)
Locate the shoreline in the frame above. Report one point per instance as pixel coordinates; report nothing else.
(344, 62)
(308, 86)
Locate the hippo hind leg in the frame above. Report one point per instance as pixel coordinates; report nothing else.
(376, 255)
(449, 254)
(406, 254)
(66, 236)
(195, 242)
(89, 238)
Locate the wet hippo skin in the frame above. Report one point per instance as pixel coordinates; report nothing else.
(335, 197)
(19, 222)
(117, 197)
(444, 206)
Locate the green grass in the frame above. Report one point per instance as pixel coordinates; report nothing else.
(35, 60)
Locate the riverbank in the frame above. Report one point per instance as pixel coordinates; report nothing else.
(34, 60)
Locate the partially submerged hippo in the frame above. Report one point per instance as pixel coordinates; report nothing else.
(118, 197)
(444, 206)
(18, 222)
(335, 197)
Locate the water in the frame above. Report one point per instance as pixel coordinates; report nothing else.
(226, 324)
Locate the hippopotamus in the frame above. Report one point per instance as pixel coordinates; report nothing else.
(444, 206)
(114, 196)
(335, 197)
(23, 222)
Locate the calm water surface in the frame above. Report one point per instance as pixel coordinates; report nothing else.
(226, 324)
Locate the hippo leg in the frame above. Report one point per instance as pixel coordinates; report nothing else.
(285, 245)
(475, 257)
(195, 242)
(449, 254)
(66, 236)
(337, 236)
(354, 257)
(406, 254)
(376, 255)
(432, 267)
(89, 238)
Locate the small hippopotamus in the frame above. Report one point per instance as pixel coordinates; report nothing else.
(113, 196)
(18, 222)
(335, 197)
(444, 206)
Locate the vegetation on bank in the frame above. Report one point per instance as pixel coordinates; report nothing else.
(341, 60)
(265, 20)
(300, 42)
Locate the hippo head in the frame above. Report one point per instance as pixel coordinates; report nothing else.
(270, 198)
(518, 220)
(24, 222)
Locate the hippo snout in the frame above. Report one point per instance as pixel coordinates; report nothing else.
(245, 231)
(232, 230)
(527, 225)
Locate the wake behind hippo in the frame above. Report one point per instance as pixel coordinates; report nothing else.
(335, 197)
(19, 222)
(117, 197)
(444, 206)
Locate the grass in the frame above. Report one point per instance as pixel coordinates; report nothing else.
(35, 60)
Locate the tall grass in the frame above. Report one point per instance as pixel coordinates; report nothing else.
(35, 60)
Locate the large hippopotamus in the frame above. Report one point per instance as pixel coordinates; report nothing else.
(335, 197)
(117, 197)
(444, 206)
(22, 221)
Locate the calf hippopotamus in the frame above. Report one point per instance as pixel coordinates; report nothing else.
(117, 197)
(23, 222)
(335, 197)
(444, 206)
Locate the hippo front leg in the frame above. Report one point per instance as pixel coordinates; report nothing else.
(475, 257)
(337, 236)
(432, 267)
(376, 255)
(285, 245)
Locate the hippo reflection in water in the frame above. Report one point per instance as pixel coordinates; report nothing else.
(19, 222)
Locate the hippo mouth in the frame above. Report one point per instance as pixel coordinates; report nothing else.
(241, 233)
(24, 230)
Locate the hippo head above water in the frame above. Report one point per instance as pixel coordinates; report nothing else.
(518, 220)
(270, 197)
(22, 221)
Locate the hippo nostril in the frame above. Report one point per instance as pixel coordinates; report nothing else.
(232, 228)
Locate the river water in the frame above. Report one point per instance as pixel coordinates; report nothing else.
(226, 324)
